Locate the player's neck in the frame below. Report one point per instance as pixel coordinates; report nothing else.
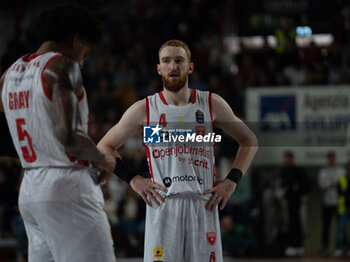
(51, 46)
(179, 98)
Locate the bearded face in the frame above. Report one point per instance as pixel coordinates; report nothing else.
(174, 67)
(174, 81)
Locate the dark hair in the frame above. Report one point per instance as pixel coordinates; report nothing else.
(63, 21)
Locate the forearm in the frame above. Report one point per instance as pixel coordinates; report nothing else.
(82, 147)
(122, 169)
(245, 155)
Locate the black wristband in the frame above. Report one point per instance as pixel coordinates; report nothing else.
(123, 171)
(235, 175)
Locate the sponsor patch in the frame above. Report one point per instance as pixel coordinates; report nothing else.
(158, 252)
(200, 130)
(211, 237)
(199, 116)
(167, 181)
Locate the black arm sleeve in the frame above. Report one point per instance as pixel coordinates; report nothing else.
(123, 171)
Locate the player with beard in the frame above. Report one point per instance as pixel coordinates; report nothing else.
(183, 225)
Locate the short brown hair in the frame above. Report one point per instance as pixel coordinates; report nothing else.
(176, 43)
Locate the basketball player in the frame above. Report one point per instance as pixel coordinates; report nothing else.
(47, 113)
(183, 225)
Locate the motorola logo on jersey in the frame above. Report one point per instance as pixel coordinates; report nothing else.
(187, 178)
(168, 181)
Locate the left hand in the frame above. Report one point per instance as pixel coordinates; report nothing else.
(147, 189)
(220, 192)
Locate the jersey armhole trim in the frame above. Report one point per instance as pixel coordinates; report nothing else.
(42, 77)
(194, 96)
(210, 109)
(162, 98)
(212, 128)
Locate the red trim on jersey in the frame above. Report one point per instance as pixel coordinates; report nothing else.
(211, 110)
(30, 57)
(162, 98)
(212, 129)
(42, 77)
(214, 174)
(147, 110)
(82, 96)
(193, 96)
(148, 154)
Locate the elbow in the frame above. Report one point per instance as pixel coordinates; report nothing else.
(102, 146)
(250, 141)
(254, 142)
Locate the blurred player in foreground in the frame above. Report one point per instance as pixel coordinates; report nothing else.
(47, 113)
(183, 225)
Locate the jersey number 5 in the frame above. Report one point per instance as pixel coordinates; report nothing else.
(22, 134)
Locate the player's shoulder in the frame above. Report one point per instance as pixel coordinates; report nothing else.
(136, 113)
(139, 105)
(217, 99)
(138, 108)
(62, 64)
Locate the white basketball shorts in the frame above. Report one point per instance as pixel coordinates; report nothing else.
(182, 230)
(62, 209)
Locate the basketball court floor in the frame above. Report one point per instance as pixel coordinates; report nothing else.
(229, 259)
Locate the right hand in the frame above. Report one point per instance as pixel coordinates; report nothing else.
(147, 189)
(106, 165)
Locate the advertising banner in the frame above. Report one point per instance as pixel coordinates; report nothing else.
(309, 121)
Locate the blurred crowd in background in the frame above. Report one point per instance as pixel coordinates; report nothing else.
(122, 69)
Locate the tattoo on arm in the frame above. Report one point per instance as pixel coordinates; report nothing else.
(65, 82)
(228, 188)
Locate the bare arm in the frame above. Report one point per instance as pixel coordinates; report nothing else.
(224, 118)
(63, 81)
(131, 122)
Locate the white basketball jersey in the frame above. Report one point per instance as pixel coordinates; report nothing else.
(181, 166)
(29, 114)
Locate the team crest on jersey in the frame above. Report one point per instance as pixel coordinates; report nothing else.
(200, 130)
(211, 237)
(158, 252)
(199, 116)
(212, 257)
